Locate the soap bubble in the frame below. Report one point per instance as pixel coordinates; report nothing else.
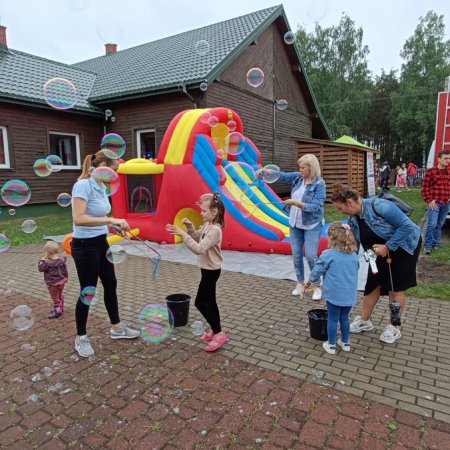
(231, 124)
(282, 104)
(116, 254)
(234, 143)
(108, 177)
(64, 199)
(42, 167)
(77, 5)
(205, 117)
(238, 175)
(88, 295)
(202, 47)
(255, 77)
(113, 145)
(12, 212)
(204, 86)
(60, 93)
(272, 176)
(316, 10)
(213, 122)
(110, 29)
(5, 243)
(29, 226)
(56, 162)
(155, 322)
(289, 37)
(22, 317)
(15, 193)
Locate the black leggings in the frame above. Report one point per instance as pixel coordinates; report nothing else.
(91, 263)
(205, 301)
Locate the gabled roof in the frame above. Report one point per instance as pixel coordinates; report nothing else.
(168, 63)
(22, 78)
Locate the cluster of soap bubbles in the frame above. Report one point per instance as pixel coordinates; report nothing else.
(43, 167)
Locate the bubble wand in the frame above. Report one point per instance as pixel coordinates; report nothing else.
(156, 262)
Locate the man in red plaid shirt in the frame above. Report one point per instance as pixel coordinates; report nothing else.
(436, 192)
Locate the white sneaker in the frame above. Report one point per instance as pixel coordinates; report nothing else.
(124, 333)
(83, 346)
(345, 347)
(390, 334)
(299, 290)
(359, 325)
(317, 294)
(331, 349)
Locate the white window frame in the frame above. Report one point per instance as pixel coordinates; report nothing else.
(77, 144)
(4, 132)
(138, 140)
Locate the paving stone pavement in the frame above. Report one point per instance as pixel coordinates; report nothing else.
(263, 390)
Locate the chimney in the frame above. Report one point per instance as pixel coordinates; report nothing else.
(110, 49)
(3, 43)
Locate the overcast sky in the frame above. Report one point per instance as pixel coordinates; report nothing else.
(75, 30)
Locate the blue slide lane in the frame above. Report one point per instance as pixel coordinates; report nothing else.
(203, 160)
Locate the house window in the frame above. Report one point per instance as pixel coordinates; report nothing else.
(4, 149)
(67, 147)
(146, 144)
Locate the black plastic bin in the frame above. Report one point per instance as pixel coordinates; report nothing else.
(318, 319)
(179, 306)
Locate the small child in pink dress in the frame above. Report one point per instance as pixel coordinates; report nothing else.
(55, 276)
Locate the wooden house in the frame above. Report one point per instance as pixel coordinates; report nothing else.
(136, 92)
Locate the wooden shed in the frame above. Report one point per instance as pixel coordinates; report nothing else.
(340, 163)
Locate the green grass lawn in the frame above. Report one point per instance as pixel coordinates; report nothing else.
(51, 220)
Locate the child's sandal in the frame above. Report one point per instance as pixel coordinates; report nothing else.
(207, 337)
(216, 343)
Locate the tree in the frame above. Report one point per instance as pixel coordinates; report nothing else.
(336, 64)
(426, 58)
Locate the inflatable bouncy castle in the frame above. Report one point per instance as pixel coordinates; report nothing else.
(194, 159)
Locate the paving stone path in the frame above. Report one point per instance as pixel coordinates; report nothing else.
(272, 386)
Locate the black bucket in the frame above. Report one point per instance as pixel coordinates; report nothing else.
(179, 306)
(318, 324)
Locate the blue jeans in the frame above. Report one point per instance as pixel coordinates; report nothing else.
(436, 220)
(338, 314)
(310, 239)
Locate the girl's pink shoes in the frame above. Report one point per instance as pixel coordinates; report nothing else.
(206, 337)
(216, 342)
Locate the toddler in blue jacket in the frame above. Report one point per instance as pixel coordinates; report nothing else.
(339, 268)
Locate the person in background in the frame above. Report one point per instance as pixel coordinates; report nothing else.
(55, 276)
(385, 172)
(306, 216)
(411, 173)
(436, 192)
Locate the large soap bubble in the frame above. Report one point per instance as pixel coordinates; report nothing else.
(113, 145)
(108, 177)
(255, 77)
(60, 93)
(15, 192)
(22, 318)
(155, 322)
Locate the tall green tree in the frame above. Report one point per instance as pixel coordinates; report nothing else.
(426, 56)
(336, 64)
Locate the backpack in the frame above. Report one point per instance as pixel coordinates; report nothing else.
(403, 206)
(412, 170)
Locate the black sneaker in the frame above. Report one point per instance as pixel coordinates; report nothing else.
(54, 315)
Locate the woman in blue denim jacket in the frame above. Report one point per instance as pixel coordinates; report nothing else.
(382, 228)
(306, 216)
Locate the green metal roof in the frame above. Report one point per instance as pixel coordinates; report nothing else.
(22, 78)
(168, 63)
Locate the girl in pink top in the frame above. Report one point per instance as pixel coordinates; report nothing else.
(206, 243)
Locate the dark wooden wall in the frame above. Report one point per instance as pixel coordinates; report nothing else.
(147, 113)
(28, 136)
